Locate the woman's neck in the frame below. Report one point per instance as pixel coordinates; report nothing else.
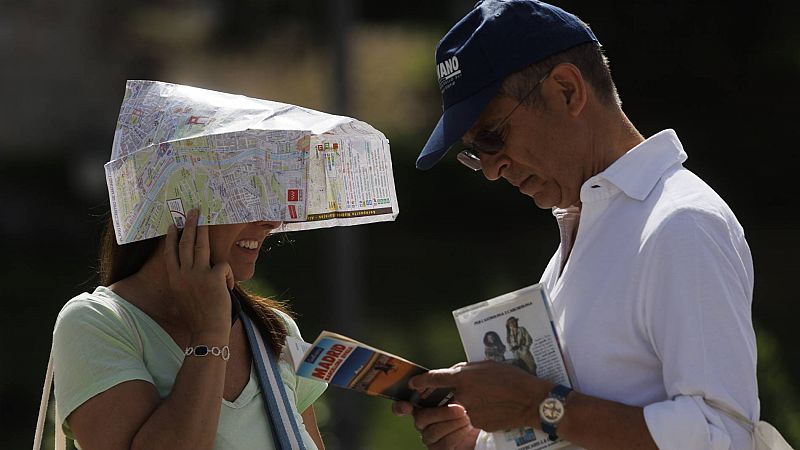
(150, 291)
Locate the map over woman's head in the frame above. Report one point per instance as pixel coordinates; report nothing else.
(239, 160)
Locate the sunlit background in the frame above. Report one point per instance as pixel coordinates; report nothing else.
(724, 76)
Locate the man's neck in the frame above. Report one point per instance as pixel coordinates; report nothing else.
(613, 136)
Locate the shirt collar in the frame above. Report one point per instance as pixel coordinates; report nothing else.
(636, 172)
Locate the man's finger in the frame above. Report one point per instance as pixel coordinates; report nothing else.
(425, 417)
(400, 408)
(460, 438)
(437, 431)
(439, 378)
(186, 244)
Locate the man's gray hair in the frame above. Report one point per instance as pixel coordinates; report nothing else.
(588, 58)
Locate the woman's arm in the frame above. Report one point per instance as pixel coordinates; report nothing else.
(310, 421)
(132, 416)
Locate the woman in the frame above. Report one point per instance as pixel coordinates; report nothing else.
(494, 348)
(131, 385)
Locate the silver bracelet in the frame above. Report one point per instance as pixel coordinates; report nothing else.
(204, 350)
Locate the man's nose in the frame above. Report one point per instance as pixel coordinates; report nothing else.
(493, 166)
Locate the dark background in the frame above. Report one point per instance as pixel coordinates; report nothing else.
(722, 74)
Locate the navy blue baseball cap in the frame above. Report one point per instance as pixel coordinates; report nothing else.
(494, 40)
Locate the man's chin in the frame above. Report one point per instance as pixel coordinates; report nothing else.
(542, 202)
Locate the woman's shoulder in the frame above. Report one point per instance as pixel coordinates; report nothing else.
(98, 307)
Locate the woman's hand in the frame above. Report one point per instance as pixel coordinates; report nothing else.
(201, 291)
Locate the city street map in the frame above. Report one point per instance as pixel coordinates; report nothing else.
(241, 159)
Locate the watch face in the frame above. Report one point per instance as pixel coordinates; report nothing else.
(551, 410)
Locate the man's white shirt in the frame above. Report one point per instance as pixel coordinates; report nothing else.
(653, 305)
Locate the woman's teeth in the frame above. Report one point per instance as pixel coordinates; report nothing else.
(252, 245)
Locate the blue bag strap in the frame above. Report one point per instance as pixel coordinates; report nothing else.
(285, 430)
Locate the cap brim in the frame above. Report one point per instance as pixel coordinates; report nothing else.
(454, 123)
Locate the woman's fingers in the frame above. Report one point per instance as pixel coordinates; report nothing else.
(186, 244)
(171, 250)
(202, 249)
(223, 269)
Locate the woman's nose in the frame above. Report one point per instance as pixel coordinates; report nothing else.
(270, 224)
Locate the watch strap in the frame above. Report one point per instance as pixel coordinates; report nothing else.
(560, 393)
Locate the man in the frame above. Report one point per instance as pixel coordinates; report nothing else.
(651, 286)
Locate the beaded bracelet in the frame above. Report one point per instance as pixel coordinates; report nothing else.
(204, 350)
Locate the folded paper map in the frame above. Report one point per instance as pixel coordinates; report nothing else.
(239, 160)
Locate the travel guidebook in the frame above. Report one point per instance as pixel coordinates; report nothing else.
(516, 328)
(344, 362)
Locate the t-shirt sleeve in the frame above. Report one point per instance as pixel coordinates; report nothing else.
(93, 351)
(307, 391)
(697, 315)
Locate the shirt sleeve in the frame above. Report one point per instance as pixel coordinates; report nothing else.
(485, 441)
(307, 391)
(697, 294)
(93, 351)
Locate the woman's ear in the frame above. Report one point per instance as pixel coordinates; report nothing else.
(571, 88)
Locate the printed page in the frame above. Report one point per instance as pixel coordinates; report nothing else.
(350, 182)
(237, 177)
(515, 328)
(349, 364)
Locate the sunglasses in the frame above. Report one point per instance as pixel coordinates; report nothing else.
(491, 141)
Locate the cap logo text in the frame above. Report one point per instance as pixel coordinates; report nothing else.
(448, 70)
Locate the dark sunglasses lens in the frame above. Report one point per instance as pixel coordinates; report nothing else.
(490, 143)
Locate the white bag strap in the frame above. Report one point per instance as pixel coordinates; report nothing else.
(764, 434)
(61, 438)
(732, 413)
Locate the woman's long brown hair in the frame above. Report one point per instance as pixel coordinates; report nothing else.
(121, 261)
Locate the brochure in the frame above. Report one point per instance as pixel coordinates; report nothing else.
(344, 362)
(516, 328)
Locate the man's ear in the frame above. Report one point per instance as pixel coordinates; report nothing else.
(571, 88)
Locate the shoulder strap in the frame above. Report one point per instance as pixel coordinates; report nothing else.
(61, 439)
(285, 430)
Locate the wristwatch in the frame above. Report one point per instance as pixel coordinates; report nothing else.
(551, 410)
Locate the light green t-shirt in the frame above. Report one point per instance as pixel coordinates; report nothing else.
(94, 349)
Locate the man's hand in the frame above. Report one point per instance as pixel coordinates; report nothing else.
(443, 428)
(495, 396)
